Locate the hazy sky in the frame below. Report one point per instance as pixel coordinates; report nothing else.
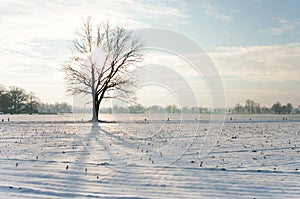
(254, 44)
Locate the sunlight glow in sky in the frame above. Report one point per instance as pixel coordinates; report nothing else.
(254, 44)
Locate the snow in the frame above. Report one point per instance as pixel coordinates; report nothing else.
(55, 157)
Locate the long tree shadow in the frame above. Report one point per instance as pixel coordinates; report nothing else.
(100, 142)
(104, 160)
(90, 164)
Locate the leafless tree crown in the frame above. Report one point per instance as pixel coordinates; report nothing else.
(86, 74)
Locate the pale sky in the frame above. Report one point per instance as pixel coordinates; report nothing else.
(254, 44)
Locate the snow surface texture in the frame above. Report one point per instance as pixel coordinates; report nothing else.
(53, 157)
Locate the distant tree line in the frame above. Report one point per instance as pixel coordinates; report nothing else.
(156, 109)
(250, 107)
(15, 100)
(44, 108)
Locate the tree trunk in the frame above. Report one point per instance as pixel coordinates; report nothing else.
(95, 109)
(94, 94)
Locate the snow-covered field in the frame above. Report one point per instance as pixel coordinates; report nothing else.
(55, 157)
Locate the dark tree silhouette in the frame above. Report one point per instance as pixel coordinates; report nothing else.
(4, 100)
(18, 99)
(277, 108)
(107, 78)
(289, 108)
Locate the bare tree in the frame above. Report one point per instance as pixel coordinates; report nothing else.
(238, 108)
(32, 103)
(107, 78)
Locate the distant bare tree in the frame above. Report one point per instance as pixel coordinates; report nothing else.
(32, 103)
(289, 108)
(252, 107)
(277, 108)
(87, 75)
(238, 108)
